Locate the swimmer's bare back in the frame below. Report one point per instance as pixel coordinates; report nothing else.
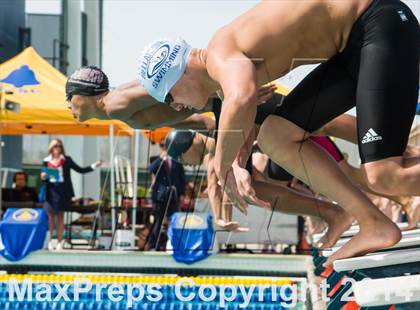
(281, 35)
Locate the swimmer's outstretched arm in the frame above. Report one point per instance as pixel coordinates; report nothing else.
(130, 103)
(122, 102)
(157, 116)
(237, 76)
(214, 190)
(162, 115)
(242, 176)
(220, 206)
(246, 150)
(197, 122)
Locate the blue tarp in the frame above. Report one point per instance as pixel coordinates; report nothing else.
(22, 231)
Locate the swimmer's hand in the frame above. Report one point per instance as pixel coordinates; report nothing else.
(266, 92)
(243, 182)
(229, 186)
(231, 226)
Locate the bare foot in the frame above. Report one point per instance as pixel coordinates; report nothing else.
(338, 222)
(412, 211)
(373, 236)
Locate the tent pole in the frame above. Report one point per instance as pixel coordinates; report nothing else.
(135, 179)
(2, 100)
(112, 187)
(1, 170)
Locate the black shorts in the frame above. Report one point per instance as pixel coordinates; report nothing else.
(263, 109)
(378, 72)
(276, 172)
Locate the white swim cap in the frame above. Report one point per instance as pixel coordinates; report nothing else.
(162, 64)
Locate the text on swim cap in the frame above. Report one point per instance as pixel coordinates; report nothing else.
(158, 63)
(157, 60)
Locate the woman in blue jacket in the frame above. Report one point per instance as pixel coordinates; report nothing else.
(59, 188)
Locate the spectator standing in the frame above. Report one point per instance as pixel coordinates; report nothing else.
(168, 188)
(59, 187)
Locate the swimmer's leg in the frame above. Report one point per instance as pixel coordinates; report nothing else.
(282, 141)
(288, 200)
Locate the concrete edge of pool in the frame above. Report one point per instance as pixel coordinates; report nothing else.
(150, 262)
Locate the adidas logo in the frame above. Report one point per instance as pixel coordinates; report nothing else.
(402, 16)
(370, 136)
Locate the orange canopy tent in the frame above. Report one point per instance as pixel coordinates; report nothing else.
(156, 135)
(33, 101)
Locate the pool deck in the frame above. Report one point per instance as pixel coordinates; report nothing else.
(160, 262)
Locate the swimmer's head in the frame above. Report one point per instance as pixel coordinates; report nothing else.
(178, 142)
(187, 146)
(83, 88)
(161, 65)
(87, 81)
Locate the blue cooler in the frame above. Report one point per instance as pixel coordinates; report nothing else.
(191, 236)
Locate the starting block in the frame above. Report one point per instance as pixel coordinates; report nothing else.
(376, 260)
(387, 277)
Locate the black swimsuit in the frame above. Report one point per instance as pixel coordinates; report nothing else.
(378, 72)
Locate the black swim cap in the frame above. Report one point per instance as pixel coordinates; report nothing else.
(178, 141)
(87, 81)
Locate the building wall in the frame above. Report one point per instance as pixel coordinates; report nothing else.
(46, 43)
(73, 33)
(12, 17)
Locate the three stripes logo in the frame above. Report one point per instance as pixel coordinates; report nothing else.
(403, 16)
(371, 136)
